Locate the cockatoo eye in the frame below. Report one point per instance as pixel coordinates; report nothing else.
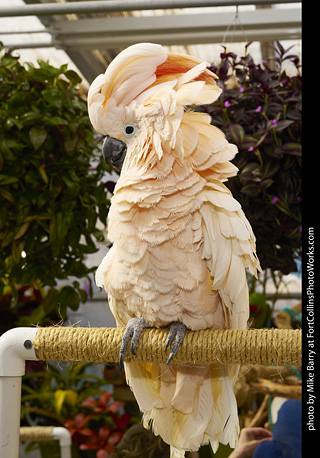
(129, 130)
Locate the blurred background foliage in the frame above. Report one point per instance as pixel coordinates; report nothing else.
(53, 204)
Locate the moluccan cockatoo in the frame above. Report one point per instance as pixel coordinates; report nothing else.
(180, 242)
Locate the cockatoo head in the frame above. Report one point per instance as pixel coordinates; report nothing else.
(138, 103)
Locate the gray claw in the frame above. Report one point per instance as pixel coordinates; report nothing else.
(134, 328)
(176, 334)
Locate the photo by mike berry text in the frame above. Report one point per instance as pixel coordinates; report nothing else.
(310, 331)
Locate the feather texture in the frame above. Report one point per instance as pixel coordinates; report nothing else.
(180, 241)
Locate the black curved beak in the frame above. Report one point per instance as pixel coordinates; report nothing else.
(114, 151)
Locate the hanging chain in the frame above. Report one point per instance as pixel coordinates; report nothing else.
(233, 25)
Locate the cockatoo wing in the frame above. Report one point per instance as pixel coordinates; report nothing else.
(228, 250)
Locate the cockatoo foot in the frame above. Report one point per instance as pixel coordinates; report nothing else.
(133, 331)
(176, 333)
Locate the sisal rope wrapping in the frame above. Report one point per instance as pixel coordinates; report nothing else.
(36, 433)
(102, 345)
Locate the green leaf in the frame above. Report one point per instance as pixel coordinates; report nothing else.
(6, 179)
(31, 117)
(17, 101)
(53, 96)
(249, 171)
(55, 121)
(43, 174)
(70, 178)
(43, 73)
(265, 184)
(69, 297)
(16, 252)
(23, 229)
(283, 206)
(294, 149)
(281, 125)
(59, 226)
(65, 89)
(70, 145)
(37, 136)
(238, 133)
(73, 76)
(7, 195)
(270, 168)
(83, 295)
(250, 189)
(50, 301)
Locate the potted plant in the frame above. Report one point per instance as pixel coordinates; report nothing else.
(260, 111)
(52, 194)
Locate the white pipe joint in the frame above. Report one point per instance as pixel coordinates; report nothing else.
(15, 349)
(62, 435)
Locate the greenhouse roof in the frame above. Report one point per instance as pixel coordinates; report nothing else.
(89, 34)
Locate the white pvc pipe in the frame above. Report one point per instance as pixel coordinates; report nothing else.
(64, 437)
(15, 349)
(10, 396)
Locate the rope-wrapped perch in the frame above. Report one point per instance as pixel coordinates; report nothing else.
(102, 345)
(36, 433)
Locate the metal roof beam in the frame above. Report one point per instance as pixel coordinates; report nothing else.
(176, 23)
(118, 32)
(103, 6)
(123, 40)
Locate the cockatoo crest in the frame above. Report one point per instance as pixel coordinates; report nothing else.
(142, 96)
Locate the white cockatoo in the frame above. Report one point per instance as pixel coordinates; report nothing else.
(180, 242)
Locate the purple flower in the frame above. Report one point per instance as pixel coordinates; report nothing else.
(300, 228)
(258, 109)
(227, 104)
(241, 89)
(273, 121)
(274, 199)
(251, 148)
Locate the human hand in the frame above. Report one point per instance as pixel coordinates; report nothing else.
(249, 440)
